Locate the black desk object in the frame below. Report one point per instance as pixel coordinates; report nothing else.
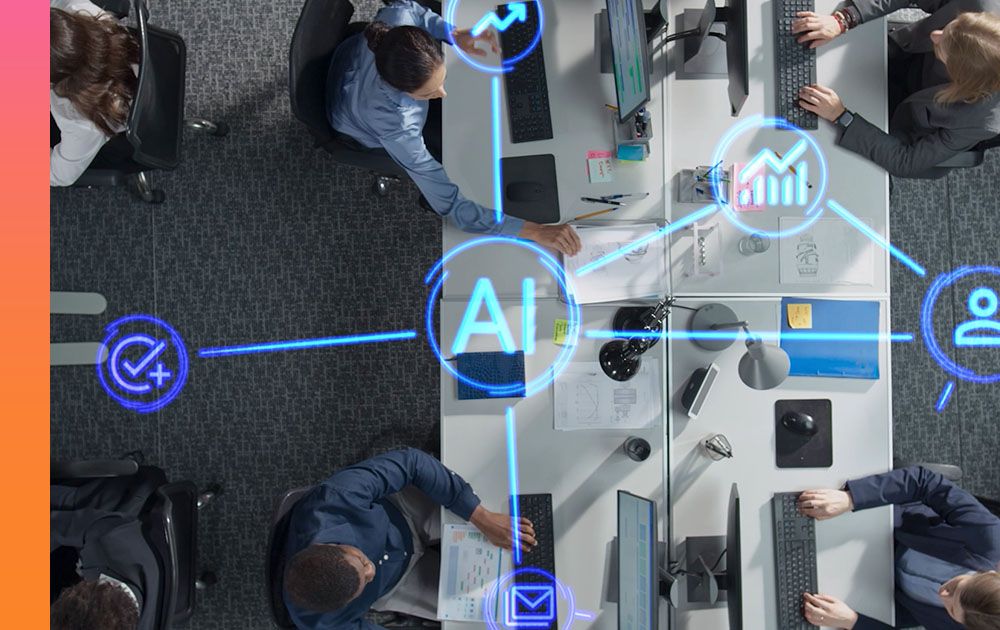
(804, 451)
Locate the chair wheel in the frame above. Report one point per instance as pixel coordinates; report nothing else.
(209, 494)
(205, 579)
(221, 130)
(156, 197)
(381, 186)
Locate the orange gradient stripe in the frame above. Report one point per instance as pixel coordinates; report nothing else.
(24, 320)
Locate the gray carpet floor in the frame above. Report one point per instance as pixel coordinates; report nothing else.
(264, 238)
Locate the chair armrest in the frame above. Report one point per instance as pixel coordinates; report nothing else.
(966, 159)
(93, 469)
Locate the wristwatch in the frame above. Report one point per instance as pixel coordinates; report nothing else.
(845, 120)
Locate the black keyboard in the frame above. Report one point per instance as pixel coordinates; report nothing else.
(526, 87)
(537, 508)
(794, 64)
(794, 559)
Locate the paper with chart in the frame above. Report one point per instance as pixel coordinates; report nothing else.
(585, 398)
(470, 566)
(830, 251)
(639, 273)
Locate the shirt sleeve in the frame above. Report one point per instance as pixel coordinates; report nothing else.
(405, 144)
(76, 150)
(907, 159)
(431, 22)
(874, 9)
(380, 476)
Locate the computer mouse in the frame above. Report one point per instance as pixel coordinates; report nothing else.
(798, 422)
(525, 191)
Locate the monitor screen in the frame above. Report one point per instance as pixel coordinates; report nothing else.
(637, 564)
(629, 54)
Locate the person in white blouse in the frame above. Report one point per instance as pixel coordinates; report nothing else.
(93, 61)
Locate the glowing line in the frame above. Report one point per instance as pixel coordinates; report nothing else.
(515, 509)
(303, 344)
(873, 235)
(735, 334)
(497, 175)
(528, 315)
(582, 614)
(945, 396)
(767, 157)
(664, 231)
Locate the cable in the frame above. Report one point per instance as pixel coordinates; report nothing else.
(719, 559)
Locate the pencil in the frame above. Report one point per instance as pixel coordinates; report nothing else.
(594, 214)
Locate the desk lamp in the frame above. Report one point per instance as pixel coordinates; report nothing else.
(621, 358)
(762, 367)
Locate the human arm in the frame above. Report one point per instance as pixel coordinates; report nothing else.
(77, 148)
(366, 482)
(918, 484)
(874, 9)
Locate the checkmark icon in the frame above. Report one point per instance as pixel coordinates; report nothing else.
(145, 361)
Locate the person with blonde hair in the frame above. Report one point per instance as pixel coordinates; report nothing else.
(947, 552)
(944, 82)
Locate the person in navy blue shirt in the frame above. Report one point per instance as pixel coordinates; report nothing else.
(380, 90)
(947, 552)
(363, 539)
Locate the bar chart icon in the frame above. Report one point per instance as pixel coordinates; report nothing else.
(773, 180)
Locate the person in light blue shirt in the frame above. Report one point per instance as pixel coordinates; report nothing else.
(379, 90)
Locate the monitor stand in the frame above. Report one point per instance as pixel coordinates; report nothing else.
(706, 581)
(703, 58)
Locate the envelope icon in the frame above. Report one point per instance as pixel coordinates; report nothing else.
(529, 606)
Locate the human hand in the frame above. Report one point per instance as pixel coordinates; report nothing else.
(498, 528)
(467, 42)
(830, 612)
(815, 28)
(824, 504)
(821, 101)
(561, 237)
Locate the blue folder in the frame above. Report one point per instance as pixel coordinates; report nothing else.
(839, 359)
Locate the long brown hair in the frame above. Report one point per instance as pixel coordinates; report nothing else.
(90, 63)
(971, 43)
(980, 600)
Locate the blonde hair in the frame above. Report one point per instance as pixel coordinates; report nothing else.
(980, 600)
(971, 44)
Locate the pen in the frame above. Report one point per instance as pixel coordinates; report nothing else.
(594, 200)
(792, 168)
(594, 214)
(624, 195)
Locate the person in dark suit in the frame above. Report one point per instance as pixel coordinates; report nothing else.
(120, 584)
(944, 82)
(947, 552)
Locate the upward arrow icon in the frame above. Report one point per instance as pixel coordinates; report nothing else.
(518, 12)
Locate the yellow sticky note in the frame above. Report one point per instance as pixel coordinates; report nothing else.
(559, 331)
(800, 316)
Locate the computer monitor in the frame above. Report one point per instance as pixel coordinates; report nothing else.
(734, 563)
(734, 16)
(638, 565)
(629, 55)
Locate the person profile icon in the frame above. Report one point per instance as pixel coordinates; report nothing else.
(982, 332)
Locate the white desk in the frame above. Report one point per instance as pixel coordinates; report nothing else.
(855, 557)
(582, 469)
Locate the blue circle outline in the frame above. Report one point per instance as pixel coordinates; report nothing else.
(980, 294)
(182, 364)
(508, 64)
(547, 375)
(760, 122)
(491, 596)
(948, 364)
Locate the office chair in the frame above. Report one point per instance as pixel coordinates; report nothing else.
(973, 157)
(169, 521)
(274, 574)
(153, 131)
(952, 473)
(322, 26)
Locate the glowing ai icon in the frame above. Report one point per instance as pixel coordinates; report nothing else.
(147, 363)
(786, 172)
(485, 325)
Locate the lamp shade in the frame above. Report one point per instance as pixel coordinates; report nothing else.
(763, 366)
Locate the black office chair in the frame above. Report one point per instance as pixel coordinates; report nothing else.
(973, 157)
(322, 26)
(275, 564)
(152, 137)
(169, 523)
